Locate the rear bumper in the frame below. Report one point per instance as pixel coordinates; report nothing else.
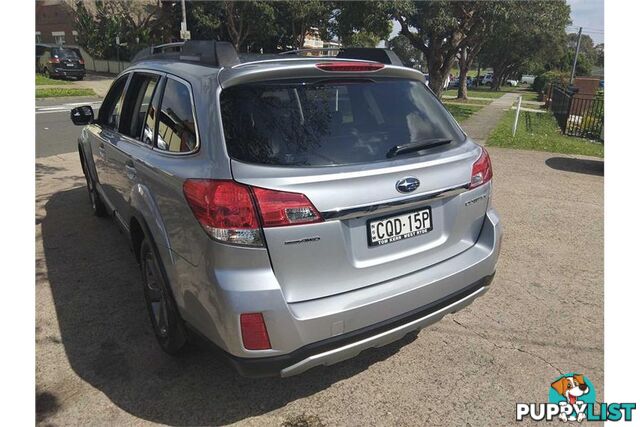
(62, 72)
(343, 347)
(331, 329)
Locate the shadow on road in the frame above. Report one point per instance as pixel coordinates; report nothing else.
(109, 343)
(568, 164)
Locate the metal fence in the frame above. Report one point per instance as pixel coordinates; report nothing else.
(580, 115)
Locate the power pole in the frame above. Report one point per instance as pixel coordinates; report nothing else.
(575, 57)
(184, 33)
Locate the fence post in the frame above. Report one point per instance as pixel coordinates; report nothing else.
(515, 123)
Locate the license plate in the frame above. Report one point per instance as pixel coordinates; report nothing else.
(70, 65)
(399, 227)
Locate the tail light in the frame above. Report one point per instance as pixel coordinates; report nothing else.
(234, 213)
(254, 332)
(54, 60)
(481, 172)
(280, 208)
(350, 66)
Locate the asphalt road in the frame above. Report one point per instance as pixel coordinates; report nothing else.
(55, 134)
(97, 362)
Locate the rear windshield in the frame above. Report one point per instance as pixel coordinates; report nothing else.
(330, 123)
(65, 53)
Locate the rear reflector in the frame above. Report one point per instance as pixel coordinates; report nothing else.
(233, 213)
(254, 332)
(350, 66)
(482, 171)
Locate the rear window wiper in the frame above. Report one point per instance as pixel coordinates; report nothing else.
(417, 146)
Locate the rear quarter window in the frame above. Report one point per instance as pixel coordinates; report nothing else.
(176, 122)
(330, 122)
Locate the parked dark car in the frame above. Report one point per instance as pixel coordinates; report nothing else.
(57, 61)
(40, 48)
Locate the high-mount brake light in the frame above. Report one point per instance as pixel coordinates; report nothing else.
(481, 172)
(234, 213)
(350, 66)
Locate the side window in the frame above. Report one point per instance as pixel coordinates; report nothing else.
(112, 106)
(150, 121)
(176, 122)
(137, 103)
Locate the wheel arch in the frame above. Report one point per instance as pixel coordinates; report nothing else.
(145, 220)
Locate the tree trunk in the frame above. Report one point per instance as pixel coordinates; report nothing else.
(464, 69)
(436, 79)
(498, 73)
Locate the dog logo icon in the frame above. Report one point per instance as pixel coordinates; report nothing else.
(573, 390)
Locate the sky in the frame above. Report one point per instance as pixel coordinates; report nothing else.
(590, 15)
(586, 13)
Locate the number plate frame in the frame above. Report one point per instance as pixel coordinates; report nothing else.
(422, 231)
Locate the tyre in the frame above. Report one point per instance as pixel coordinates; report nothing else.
(168, 326)
(98, 206)
(79, 78)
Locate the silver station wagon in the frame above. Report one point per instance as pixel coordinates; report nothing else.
(290, 210)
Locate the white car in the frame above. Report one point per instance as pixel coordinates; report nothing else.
(487, 79)
(527, 78)
(512, 82)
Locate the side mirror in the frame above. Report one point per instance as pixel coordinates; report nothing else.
(81, 116)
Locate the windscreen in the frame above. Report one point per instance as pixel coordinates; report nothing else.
(330, 122)
(65, 53)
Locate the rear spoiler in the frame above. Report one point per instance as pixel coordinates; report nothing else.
(300, 68)
(384, 56)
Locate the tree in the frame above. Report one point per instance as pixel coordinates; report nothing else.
(486, 15)
(296, 17)
(440, 29)
(243, 19)
(361, 39)
(408, 54)
(361, 23)
(99, 23)
(528, 32)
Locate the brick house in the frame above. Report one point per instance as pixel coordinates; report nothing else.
(54, 22)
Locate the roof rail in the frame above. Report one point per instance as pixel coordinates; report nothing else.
(207, 52)
(383, 55)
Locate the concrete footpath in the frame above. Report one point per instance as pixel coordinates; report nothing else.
(480, 125)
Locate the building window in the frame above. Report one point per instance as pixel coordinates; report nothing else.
(38, 37)
(58, 37)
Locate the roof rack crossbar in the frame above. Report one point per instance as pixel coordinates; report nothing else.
(317, 49)
(207, 52)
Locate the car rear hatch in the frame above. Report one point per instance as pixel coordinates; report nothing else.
(68, 59)
(386, 210)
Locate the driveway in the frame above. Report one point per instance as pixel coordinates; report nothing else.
(97, 362)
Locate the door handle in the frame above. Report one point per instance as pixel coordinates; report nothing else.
(130, 169)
